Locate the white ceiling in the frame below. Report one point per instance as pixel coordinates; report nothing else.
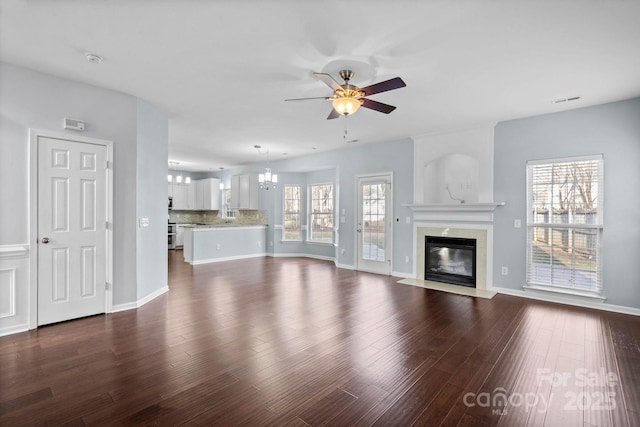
(222, 69)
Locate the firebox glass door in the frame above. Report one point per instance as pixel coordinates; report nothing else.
(374, 196)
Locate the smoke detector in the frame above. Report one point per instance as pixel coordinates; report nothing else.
(93, 58)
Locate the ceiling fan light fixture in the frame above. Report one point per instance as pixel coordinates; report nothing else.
(346, 105)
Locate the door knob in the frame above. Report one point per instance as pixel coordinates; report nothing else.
(45, 240)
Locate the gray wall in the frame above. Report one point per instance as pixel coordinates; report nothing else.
(31, 99)
(345, 164)
(153, 140)
(275, 205)
(611, 129)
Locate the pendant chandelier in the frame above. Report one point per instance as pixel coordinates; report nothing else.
(267, 179)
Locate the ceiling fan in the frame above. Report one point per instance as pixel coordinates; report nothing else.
(347, 98)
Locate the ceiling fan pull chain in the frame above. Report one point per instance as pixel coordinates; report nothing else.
(344, 137)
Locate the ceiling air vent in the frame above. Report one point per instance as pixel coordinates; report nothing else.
(561, 100)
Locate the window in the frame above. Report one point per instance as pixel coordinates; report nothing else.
(291, 213)
(321, 213)
(227, 211)
(564, 224)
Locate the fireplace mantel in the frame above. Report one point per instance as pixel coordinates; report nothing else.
(455, 207)
(454, 212)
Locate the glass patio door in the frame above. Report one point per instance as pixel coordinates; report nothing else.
(373, 226)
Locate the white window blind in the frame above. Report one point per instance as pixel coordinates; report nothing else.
(291, 213)
(564, 224)
(321, 213)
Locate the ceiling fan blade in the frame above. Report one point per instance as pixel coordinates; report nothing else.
(304, 99)
(395, 83)
(333, 114)
(328, 80)
(378, 106)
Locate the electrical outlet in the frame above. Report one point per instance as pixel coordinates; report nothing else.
(408, 220)
(259, 244)
(505, 271)
(406, 259)
(517, 223)
(218, 246)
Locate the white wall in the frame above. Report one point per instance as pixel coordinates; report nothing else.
(462, 159)
(33, 100)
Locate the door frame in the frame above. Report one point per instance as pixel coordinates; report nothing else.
(388, 216)
(34, 136)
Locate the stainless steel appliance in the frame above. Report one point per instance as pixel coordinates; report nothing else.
(172, 235)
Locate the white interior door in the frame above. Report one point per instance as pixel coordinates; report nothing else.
(374, 224)
(72, 198)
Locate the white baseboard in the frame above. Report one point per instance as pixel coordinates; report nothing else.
(14, 329)
(402, 274)
(229, 258)
(299, 255)
(567, 300)
(346, 266)
(140, 302)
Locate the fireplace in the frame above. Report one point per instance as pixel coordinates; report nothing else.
(450, 260)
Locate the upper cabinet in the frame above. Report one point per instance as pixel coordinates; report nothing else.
(244, 192)
(208, 194)
(180, 196)
(201, 195)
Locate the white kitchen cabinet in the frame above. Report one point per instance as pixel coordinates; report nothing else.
(191, 195)
(178, 192)
(235, 192)
(180, 197)
(198, 195)
(208, 194)
(244, 192)
(180, 235)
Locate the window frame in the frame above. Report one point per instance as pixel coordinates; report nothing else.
(550, 226)
(285, 213)
(227, 211)
(311, 214)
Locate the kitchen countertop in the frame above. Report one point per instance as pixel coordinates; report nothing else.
(223, 225)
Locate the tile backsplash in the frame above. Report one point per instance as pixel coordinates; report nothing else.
(257, 217)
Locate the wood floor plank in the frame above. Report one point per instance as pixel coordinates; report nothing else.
(299, 342)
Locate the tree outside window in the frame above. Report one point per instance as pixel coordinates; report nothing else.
(321, 213)
(291, 213)
(565, 224)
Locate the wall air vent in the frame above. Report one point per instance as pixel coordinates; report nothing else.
(561, 100)
(73, 124)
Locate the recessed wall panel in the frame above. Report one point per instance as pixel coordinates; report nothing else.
(88, 205)
(88, 271)
(60, 159)
(60, 204)
(7, 292)
(60, 279)
(88, 162)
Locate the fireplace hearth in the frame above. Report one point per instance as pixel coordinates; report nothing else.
(450, 260)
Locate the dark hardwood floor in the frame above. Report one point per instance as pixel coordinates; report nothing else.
(296, 342)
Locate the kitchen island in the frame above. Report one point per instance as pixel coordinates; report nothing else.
(223, 242)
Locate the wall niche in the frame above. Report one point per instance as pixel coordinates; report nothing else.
(452, 178)
(461, 160)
